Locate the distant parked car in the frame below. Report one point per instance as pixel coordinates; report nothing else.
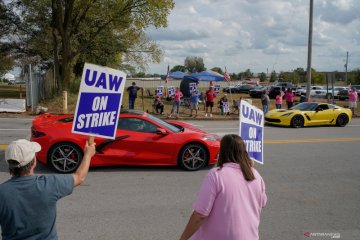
(257, 91)
(343, 95)
(336, 91)
(227, 89)
(318, 92)
(242, 88)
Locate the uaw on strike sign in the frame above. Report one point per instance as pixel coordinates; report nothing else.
(99, 101)
(251, 130)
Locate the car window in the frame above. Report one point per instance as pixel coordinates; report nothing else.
(136, 125)
(305, 106)
(323, 107)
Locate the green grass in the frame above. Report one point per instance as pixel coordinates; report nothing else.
(12, 91)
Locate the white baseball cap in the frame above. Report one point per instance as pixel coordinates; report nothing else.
(22, 151)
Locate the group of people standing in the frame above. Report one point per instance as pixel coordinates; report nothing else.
(195, 94)
(289, 96)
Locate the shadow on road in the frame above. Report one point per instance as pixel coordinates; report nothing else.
(46, 169)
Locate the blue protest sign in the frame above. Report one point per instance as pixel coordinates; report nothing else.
(171, 91)
(159, 91)
(192, 86)
(99, 101)
(217, 89)
(251, 130)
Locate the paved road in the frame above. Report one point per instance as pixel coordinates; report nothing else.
(311, 174)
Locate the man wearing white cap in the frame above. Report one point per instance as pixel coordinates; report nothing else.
(28, 201)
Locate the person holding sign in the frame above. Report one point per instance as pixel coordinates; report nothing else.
(28, 201)
(132, 90)
(176, 103)
(222, 105)
(230, 199)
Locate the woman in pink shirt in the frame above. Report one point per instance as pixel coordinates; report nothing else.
(176, 102)
(231, 197)
(352, 94)
(279, 99)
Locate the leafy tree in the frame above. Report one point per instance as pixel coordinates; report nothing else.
(7, 27)
(194, 64)
(262, 77)
(218, 70)
(273, 76)
(317, 77)
(246, 74)
(112, 32)
(140, 75)
(180, 68)
(354, 76)
(234, 76)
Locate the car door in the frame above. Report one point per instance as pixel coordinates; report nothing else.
(321, 115)
(140, 144)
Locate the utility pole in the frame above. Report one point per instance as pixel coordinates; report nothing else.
(346, 65)
(309, 50)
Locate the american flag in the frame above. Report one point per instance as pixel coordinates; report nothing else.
(226, 76)
(167, 75)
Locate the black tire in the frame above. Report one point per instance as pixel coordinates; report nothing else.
(297, 121)
(342, 120)
(193, 157)
(65, 157)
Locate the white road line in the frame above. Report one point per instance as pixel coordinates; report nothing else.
(19, 129)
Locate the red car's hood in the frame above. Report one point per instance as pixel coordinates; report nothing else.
(191, 128)
(187, 126)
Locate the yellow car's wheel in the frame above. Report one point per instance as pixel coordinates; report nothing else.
(342, 120)
(297, 121)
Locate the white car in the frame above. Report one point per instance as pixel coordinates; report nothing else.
(336, 91)
(318, 92)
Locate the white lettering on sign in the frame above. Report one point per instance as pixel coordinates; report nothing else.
(252, 132)
(105, 81)
(96, 119)
(100, 103)
(253, 146)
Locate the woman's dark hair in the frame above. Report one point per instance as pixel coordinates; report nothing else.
(232, 149)
(17, 171)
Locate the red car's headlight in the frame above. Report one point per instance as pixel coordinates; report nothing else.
(210, 138)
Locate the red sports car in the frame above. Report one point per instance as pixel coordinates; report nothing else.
(141, 139)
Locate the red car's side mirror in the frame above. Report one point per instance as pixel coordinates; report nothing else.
(161, 131)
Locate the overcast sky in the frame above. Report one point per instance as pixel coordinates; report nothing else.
(260, 35)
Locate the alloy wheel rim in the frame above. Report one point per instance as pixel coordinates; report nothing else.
(65, 158)
(193, 157)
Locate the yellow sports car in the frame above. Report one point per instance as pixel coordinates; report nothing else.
(309, 114)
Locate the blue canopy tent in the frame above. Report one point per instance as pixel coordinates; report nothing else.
(207, 76)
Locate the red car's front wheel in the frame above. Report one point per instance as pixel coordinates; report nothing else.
(193, 156)
(65, 157)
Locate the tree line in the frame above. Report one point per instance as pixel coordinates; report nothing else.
(63, 34)
(297, 76)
